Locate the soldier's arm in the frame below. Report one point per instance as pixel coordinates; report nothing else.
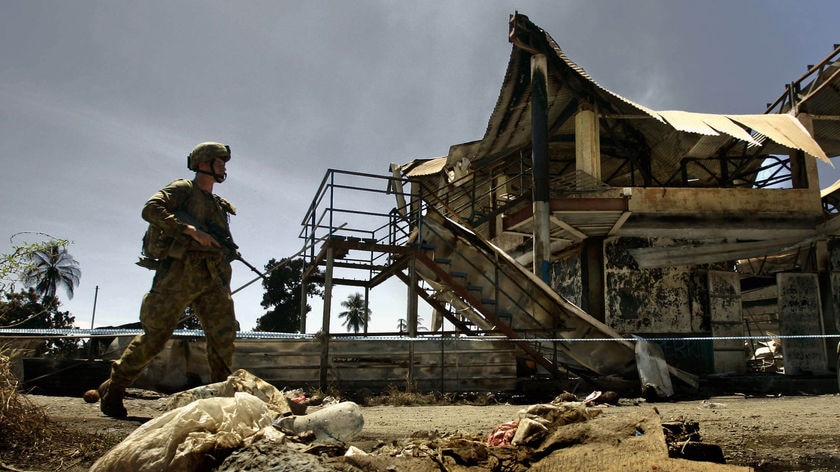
(160, 210)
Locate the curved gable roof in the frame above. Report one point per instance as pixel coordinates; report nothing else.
(666, 136)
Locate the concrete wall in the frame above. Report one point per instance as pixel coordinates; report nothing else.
(566, 278)
(800, 311)
(727, 321)
(642, 301)
(671, 301)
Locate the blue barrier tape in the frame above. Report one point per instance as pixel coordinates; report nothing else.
(110, 333)
(100, 333)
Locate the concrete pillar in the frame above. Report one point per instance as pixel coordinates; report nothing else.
(539, 151)
(800, 314)
(588, 140)
(727, 320)
(588, 160)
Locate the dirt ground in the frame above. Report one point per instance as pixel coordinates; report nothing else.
(771, 433)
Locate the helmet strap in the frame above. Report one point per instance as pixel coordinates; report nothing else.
(218, 177)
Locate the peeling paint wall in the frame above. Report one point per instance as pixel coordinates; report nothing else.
(833, 309)
(654, 301)
(659, 302)
(566, 278)
(672, 300)
(800, 315)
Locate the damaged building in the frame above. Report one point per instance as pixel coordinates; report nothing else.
(584, 237)
(582, 220)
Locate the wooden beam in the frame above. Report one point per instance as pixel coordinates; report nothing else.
(576, 234)
(618, 224)
(556, 205)
(726, 202)
(654, 257)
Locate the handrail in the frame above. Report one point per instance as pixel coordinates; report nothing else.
(796, 85)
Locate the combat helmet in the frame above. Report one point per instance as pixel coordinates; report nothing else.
(208, 152)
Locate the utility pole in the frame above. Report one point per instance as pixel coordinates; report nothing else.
(92, 318)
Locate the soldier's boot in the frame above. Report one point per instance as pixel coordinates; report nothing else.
(111, 399)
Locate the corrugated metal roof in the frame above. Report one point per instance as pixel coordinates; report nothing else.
(830, 189)
(783, 129)
(429, 167)
(667, 136)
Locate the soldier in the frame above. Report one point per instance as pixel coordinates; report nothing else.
(191, 270)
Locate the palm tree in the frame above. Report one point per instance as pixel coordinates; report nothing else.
(50, 268)
(357, 315)
(402, 325)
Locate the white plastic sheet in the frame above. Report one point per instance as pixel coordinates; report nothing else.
(179, 439)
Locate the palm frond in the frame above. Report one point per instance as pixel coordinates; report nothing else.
(51, 268)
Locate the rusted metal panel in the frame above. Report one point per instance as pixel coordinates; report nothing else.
(430, 167)
(707, 124)
(783, 129)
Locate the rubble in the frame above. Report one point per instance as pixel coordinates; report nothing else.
(245, 431)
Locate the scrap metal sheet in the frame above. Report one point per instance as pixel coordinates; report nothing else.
(687, 121)
(727, 126)
(432, 166)
(783, 129)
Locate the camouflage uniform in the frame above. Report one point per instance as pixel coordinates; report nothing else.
(187, 274)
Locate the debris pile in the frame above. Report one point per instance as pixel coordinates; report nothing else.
(535, 422)
(684, 442)
(245, 423)
(205, 425)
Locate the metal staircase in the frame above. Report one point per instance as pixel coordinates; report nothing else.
(503, 295)
(467, 280)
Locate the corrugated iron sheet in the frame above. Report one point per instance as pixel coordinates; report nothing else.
(432, 166)
(783, 129)
(670, 135)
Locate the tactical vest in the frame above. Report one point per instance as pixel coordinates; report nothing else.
(156, 245)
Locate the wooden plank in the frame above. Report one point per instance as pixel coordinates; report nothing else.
(655, 257)
(742, 202)
(451, 365)
(765, 293)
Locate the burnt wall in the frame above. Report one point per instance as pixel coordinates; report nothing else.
(566, 278)
(670, 300)
(652, 301)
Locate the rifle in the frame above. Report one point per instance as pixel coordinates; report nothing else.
(221, 235)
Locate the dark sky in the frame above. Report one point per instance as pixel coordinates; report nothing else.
(101, 101)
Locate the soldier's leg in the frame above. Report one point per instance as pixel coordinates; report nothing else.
(159, 314)
(215, 312)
